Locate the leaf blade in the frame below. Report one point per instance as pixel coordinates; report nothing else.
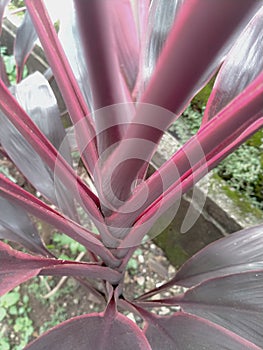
(92, 331)
(183, 331)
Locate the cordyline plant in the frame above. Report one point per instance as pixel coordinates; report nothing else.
(126, 71)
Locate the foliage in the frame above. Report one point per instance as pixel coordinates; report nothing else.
(14, 312)
(242, 169)
(120, 102)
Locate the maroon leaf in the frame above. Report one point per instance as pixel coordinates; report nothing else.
(175, 80)
(26, 37)
(34, 206)
(126, 38)
(3, 4)
(70, 40)
(161, 17)
(239, 252)
(234, 302)
(49, 154)
(186, 332)
(67, 83)
(241, 66)
(36, 97)
(3, 74)
(17, 267)
(94, 331)
(15, 225)
(96, 32)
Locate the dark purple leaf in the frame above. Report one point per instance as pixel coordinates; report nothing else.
(3, 4)
(193, 160)
(239, 252)
(36, 97)
(3, 74)
(26, 37)
(161, 18)
(127, 41)
(94, 331)
(15, 225)
(49, 154)
(34, 206)
(234, 302)
(241, 66)
(17, 267)
(67, 83)
(95, 26)
(175, 80)
(70, 40)
(187, 332)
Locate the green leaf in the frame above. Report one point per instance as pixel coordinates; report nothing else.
(9, 299)
(2, 316)
(13, 310)
(4, 345)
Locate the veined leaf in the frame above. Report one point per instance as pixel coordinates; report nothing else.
(3, 4)
(183, 331)
(127, 41)
(93, 331)
(234, 302)
(241, 66)
(15, 225)
(17, 267)
(36, 97)
(26, 37)
(175, 80)
(237, 253)
(67, 83)
(161, 16)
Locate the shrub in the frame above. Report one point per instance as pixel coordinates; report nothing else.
(126, 71)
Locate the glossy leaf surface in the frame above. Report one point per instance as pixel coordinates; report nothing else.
(127, 41)
(17, 226)
(186, 332)
(239, 252)
(37, 98)
(234, 302)
(176, 79)
(94, 331)
(241, 66)
(236, 253)
(161, 17)
(3, 4)
(17, 267)
(26, 37)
